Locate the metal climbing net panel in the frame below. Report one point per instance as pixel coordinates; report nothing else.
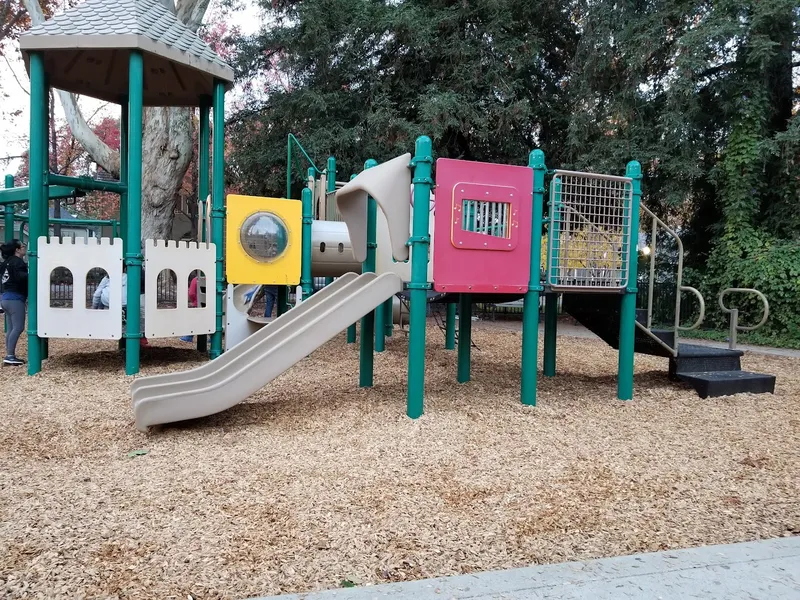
(589, 232)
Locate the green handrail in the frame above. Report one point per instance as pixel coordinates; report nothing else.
(289, 139)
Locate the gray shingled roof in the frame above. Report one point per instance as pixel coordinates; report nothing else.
(86, 47)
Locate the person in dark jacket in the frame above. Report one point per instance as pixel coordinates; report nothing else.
(13, 295)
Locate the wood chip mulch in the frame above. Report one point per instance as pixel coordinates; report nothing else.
(314, 481)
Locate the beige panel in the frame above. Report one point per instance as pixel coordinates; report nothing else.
(389, 184)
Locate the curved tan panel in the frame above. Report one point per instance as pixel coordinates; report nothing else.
(388, 183)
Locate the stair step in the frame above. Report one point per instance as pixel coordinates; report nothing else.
(710, 384)
(702, 359)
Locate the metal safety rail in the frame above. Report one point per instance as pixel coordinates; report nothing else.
(680, 288)
(734, 313)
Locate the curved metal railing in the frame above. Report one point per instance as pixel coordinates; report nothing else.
(734, 313)
(680, 288)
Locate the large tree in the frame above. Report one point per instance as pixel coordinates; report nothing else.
(358, 79)
(701, 92)
(167, 143)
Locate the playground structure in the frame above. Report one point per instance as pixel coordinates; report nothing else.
(488, 221)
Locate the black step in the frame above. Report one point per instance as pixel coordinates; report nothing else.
(711, 384)
(694, 358)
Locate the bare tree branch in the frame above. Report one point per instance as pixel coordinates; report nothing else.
(100, 152)
(10, 68)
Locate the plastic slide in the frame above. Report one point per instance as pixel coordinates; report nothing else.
(251, 364)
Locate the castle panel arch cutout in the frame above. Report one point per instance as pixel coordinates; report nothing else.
(84, 259)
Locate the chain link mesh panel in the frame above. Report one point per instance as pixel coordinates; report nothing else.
(589, 234)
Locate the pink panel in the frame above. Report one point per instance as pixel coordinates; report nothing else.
(482, 227)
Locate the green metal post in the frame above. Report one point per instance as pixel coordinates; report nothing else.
(330, 186)
(123, 173)
(627, 316)
(422, 164)
(330, 183)
(530, 307)
(550, 334)
(306, 283)
(8, 221)
(351, 330)
(450, 327)
(283, 299)
(45, 342)
(388, 317)
(133, 253)
(36, 174)
(218, 209)
(380, 328)
(551, 300)
(46, 159)
(464, 336)
(204, 159)
(366, 370)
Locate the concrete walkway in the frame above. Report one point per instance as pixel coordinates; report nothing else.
(768, 570)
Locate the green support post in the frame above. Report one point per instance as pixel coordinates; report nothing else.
(283, 300)
(380, 328)
(550, 333)
(218, 209)
(530, 306)
(123, 173)
(45, 342)
(8, 222)
(306, 282)
(627, 316)
(330, 188)
(551, 300)
(422, 164)
(450, 327)
(388, 317)
(36, 175)
(464, 336)
(366, 360)
(351, 330)
(133, 254)
(204, 159)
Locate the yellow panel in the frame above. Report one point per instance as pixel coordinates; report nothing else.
(240, 266)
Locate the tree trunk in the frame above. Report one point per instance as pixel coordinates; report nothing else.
(168, 139)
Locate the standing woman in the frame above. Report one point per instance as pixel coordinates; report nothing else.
(13, 295)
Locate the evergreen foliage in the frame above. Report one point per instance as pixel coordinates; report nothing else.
(701, 93)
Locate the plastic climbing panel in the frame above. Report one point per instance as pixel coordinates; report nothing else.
(73, 259)
(482, 226)
(263, 240)
(179, 260)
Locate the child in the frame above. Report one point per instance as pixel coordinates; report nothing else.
(14, 288)
(101, 300)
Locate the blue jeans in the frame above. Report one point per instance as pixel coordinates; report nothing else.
(15, 313)
(270, 296)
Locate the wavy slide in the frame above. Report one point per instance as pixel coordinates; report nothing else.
(250, 365)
